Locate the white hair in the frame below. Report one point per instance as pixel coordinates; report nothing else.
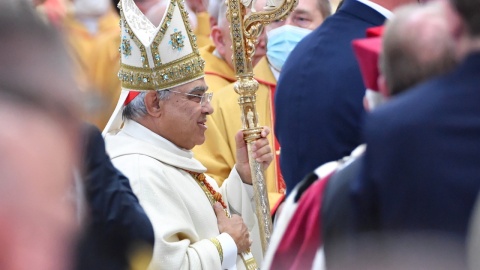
(137, 108)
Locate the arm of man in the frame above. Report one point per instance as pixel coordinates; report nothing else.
(237, 189)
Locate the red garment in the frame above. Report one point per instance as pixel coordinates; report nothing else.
(376, 31)
(302, 237)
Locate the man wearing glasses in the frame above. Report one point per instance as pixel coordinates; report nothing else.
(165, 106)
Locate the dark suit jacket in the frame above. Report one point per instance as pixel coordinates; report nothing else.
(422, 164)
(117, 224)
(336, 213)
(318, 102)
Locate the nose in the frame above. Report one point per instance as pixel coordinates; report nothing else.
(261, 39)
(207, 108)
(289, 21)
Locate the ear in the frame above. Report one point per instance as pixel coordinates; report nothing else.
(217, 38)
(382, 86)
(366, 106)
(152, 104)
(457, 26)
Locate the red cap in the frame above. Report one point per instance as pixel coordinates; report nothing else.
(131, 95)
(367, 51)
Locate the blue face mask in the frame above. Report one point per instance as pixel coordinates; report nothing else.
(281, 41)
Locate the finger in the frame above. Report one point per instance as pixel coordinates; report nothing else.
(265, 131)
(219, 212)
(260, 143)
(263, 151)
(239, 141)
(265, 158)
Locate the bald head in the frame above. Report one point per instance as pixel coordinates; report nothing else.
(417, 45)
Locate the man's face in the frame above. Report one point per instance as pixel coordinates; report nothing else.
(183, 117)
(227, 43)
(225, 49)
(306, 15)
(41, 168)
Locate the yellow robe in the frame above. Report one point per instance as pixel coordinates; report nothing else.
(203, 29)
(83, 46)
(104, 73)
(218, 73)
(218, 153)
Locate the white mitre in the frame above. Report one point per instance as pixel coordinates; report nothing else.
(154, 58)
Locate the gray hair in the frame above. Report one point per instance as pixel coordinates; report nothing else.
(137, 109)
(325, 8)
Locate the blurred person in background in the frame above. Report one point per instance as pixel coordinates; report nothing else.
(219, 70)
(319, 98)
(416, 47)
(116, 233)
(199, 10)
(86, 22)
(218, 152)
(437, 124)
(38, 142)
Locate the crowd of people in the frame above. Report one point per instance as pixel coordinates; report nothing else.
(370, 143)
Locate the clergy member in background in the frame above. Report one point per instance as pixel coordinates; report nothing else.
(218, 152)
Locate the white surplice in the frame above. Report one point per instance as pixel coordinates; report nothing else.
(182, 216)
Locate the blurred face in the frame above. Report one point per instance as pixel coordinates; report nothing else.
(222, 40)
(38, 160)
(145, 5)
(283, 36)
(183, 118)
(306, 15)
(261, 47)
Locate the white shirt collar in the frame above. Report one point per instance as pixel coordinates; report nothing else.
(385, 12)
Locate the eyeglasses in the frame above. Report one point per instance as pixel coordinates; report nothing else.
(202, 99)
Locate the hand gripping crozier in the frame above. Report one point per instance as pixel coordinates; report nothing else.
(168, 181)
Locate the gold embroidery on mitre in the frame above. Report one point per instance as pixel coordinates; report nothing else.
(163, 77)
(176, 40)
(126, 48)
(160, 75)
